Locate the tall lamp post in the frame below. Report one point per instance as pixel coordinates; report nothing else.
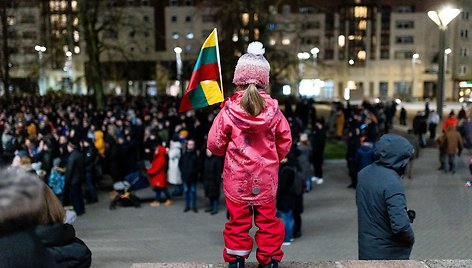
(178, 59)
(442, 18)
(414, 58)
(41, 82)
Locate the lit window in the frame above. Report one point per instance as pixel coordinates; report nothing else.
(76, 36)
(245, 19)
(285, 41)
(76, 50)
(74, 5)
(189, 36)
(11, 20)
(175, 35)
(362, 25)
(360, 12)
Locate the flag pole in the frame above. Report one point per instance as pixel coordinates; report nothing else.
(219, 62)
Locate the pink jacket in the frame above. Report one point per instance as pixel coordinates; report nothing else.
(254, 146)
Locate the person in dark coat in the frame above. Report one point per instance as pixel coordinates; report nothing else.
(58, 237)
(213, 169)
(189, 167)
(420, 127)
(286, 198)
(90, 162)
(318, 142)
(74, 177)
(384, 229)
(403, 116)
(20, 207)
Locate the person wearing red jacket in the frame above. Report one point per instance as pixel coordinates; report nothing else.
(254, 136)
(158, 176)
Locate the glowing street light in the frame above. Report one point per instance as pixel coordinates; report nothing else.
(41, 78)
(442, 18)
(178, 58)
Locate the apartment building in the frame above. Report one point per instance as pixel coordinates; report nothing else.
(343, 49)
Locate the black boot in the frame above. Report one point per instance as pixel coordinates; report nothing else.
(238, 263)
(273, 264)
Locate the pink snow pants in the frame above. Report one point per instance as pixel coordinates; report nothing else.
(269, 237)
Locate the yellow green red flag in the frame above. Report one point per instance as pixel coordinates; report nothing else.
(203, 89)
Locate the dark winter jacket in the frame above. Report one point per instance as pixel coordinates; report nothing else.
(90, 159)
(384, 230)
(75, 168)
(189, 166)
(212, 176)
(62, 244)
(24, 249)
(285, 196)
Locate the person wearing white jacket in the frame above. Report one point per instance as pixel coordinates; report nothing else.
(173, 173)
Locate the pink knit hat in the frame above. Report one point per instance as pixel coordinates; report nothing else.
(252, 67)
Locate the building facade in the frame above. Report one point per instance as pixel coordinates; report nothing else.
(342, 49)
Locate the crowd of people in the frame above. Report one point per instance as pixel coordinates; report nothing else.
(74, 148)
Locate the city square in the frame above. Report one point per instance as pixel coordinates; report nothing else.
(119, 238)
(149, 133)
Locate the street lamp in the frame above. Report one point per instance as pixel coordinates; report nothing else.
(442, 18)
(301, 67)
(178, 59)
(68, 70)
(414, 59)
(41, 79)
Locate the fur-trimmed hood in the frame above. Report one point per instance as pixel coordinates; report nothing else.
(21, 196)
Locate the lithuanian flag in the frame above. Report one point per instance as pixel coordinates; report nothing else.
(203, 89)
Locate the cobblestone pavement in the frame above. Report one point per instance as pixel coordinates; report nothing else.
(124, 236)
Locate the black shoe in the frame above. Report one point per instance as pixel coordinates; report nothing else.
(214, 212)
(209, 209)
(186, 209)
(238, 263)
(350, 186)
(195, 210)
(273, 264)
(297, 235)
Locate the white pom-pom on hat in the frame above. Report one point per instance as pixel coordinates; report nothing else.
(256, 48)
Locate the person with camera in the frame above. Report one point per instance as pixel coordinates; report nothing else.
(384, 223)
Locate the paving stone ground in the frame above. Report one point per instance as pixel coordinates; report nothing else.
(162, 234)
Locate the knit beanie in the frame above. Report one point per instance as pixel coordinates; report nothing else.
(252, 67)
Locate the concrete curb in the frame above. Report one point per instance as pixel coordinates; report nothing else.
(327, 264)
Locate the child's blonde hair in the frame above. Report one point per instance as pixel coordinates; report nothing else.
(252, 102)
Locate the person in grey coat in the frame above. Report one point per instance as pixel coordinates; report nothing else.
(384, 229)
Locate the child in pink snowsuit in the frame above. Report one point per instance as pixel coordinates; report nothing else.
(253, 135)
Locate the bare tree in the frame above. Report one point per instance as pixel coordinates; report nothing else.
(5, 69)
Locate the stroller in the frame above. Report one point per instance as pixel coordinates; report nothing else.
(125, 196)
